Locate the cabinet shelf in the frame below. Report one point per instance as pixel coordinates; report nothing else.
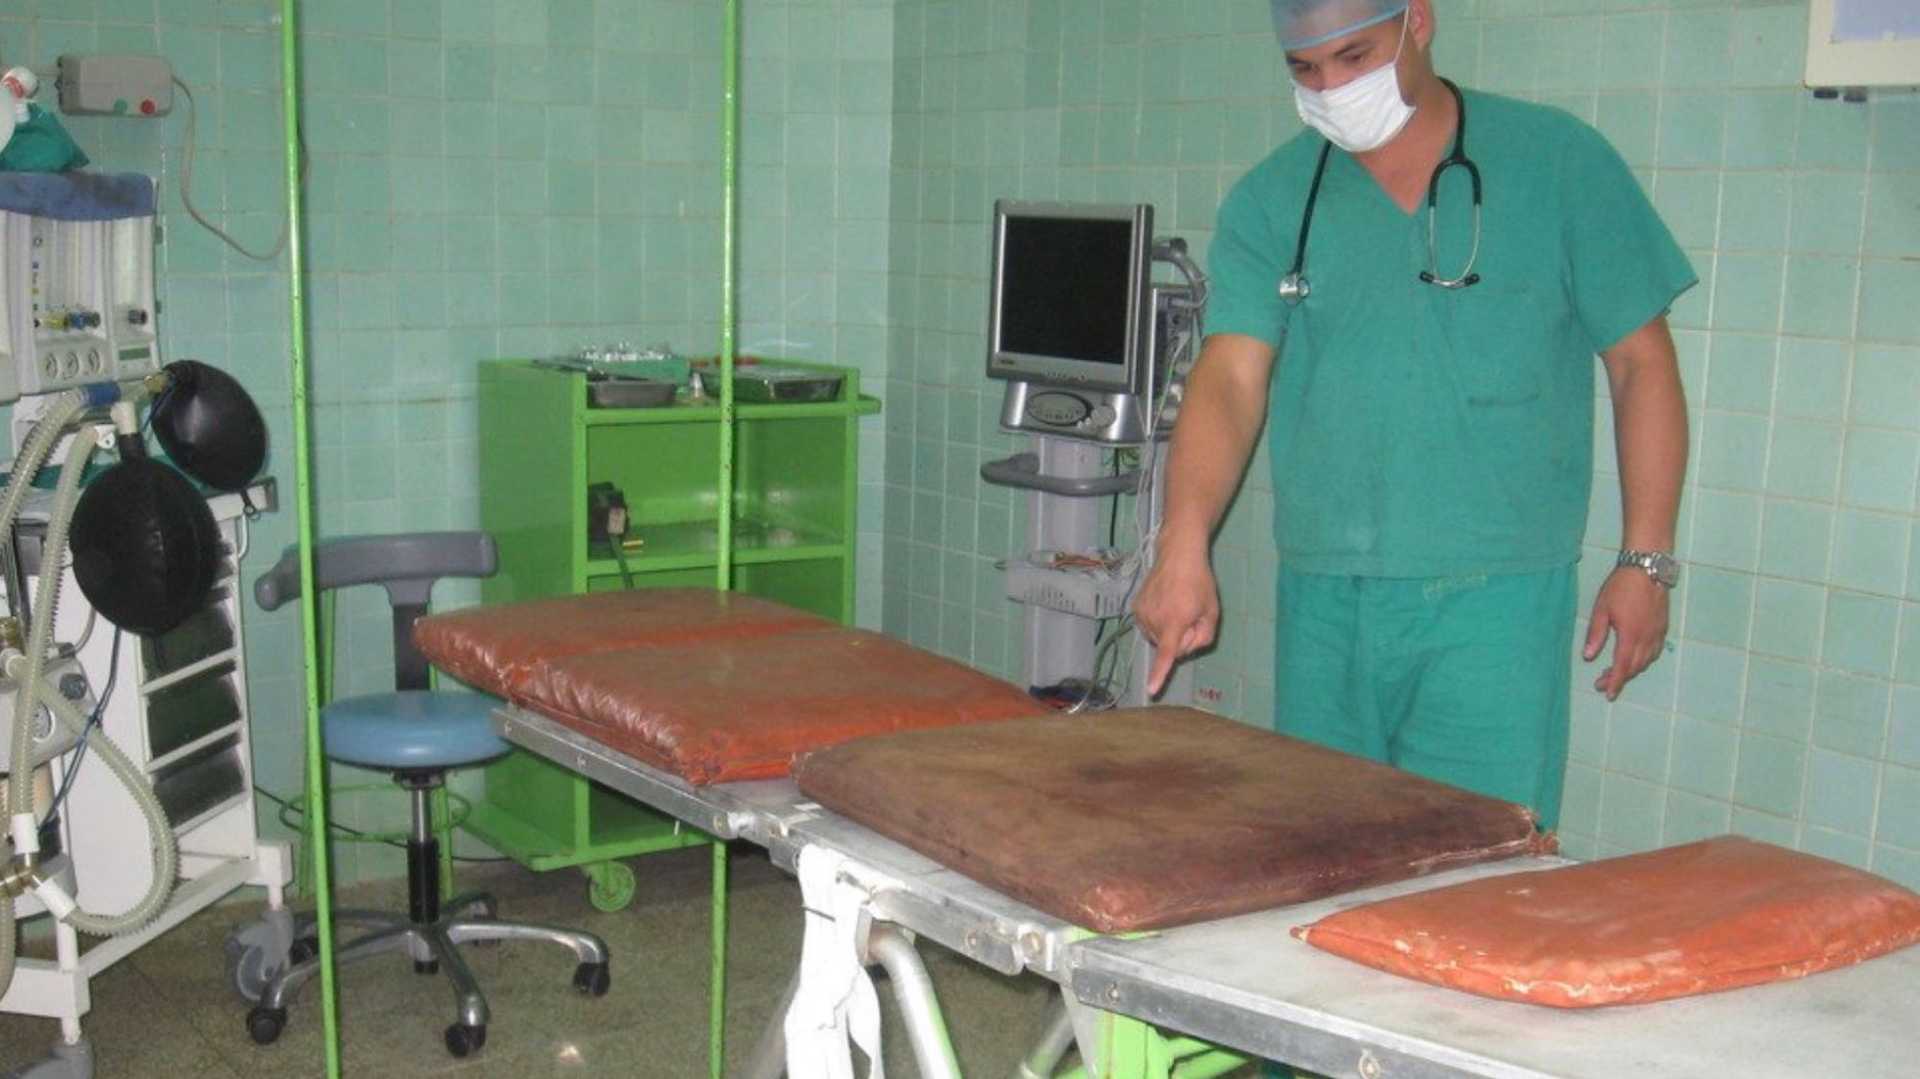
(794, 484)
(662, 563)
(672, 545)
(710, 412)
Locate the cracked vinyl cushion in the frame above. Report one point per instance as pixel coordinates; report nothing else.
(742, 709)
(1155, 817)
(496, 648)
(710, 686)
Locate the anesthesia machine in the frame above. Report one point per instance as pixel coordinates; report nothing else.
(127, 809)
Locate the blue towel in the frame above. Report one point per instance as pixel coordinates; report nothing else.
(77, 196)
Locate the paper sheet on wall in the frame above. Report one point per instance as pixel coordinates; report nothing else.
(1876, 20)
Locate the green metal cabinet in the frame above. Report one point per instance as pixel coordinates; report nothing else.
(541, 446)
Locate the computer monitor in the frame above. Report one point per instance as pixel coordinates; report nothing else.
(1071, 298)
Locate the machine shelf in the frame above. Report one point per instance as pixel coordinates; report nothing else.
(188, 749)
(190, 671)
(242, 798)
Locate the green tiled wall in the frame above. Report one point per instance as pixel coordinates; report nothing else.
(1787, 707)
(524, 175)
(488, 177)
(816, 142)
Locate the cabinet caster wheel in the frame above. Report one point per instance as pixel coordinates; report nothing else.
(431, 966)
(303, 950)
(592, 979)
(463, 1040)
(265, 1024)
(611, 886)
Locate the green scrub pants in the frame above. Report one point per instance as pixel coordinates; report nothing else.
(1461, 679)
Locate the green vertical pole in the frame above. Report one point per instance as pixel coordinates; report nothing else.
(729, 280)
(303, 507)
(729, 290)
(717, 1002)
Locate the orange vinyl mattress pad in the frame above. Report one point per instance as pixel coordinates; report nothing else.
(1125, 820)
(711, 686)
(1152, 818)
(1698, 918)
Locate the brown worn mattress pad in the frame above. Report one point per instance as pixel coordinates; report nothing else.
(1156, 817)
(708, 686)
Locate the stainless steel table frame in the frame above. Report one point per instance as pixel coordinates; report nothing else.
(1157, 1004)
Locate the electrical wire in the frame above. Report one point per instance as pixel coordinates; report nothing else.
(186, 186)
(620, 559)
(1185, 327)
(86, 631)
(72, 768)
(159, 402)
(1187, 334)
(287, 807)
(1099, 683)
(93, 721)
(245, 529)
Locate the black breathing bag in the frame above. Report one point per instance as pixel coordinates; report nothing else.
(146, 550)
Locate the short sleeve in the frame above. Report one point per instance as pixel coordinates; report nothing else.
(1244, 264)
(1623, 267)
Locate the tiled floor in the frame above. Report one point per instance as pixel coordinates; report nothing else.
(167, 1012)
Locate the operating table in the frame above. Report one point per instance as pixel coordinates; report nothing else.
(1141, 1006)
(1200, 999)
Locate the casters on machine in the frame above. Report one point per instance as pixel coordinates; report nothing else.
(463, 1040)
(265, 1024)
(66, 1061)
(592, 979)
(258, 951)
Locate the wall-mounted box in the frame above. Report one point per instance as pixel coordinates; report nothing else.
(1863, 43)
(123, 85)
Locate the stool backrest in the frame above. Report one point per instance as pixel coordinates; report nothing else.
(406, 564)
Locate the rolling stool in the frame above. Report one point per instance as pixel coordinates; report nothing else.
(416, 734)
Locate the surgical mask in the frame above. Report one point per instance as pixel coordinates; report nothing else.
(1363, 114)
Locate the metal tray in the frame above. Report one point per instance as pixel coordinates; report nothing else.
(629, 393)
(767, 384)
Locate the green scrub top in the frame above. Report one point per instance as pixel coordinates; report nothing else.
(1419, 431)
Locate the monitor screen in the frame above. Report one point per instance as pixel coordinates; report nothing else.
(1069, 288)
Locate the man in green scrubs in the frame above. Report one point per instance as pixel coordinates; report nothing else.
(1431, 445)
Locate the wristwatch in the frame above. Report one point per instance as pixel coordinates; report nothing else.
(1659, 565)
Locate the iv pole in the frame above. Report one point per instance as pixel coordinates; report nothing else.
(303, 507)
(729, 289)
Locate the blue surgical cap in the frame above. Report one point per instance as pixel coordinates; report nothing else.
(1304, 23)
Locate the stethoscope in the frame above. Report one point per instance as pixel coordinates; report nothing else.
(1294, 287)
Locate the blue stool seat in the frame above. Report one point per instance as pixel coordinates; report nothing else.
(413, 730)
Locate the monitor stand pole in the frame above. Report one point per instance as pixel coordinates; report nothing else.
(1067, 489)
